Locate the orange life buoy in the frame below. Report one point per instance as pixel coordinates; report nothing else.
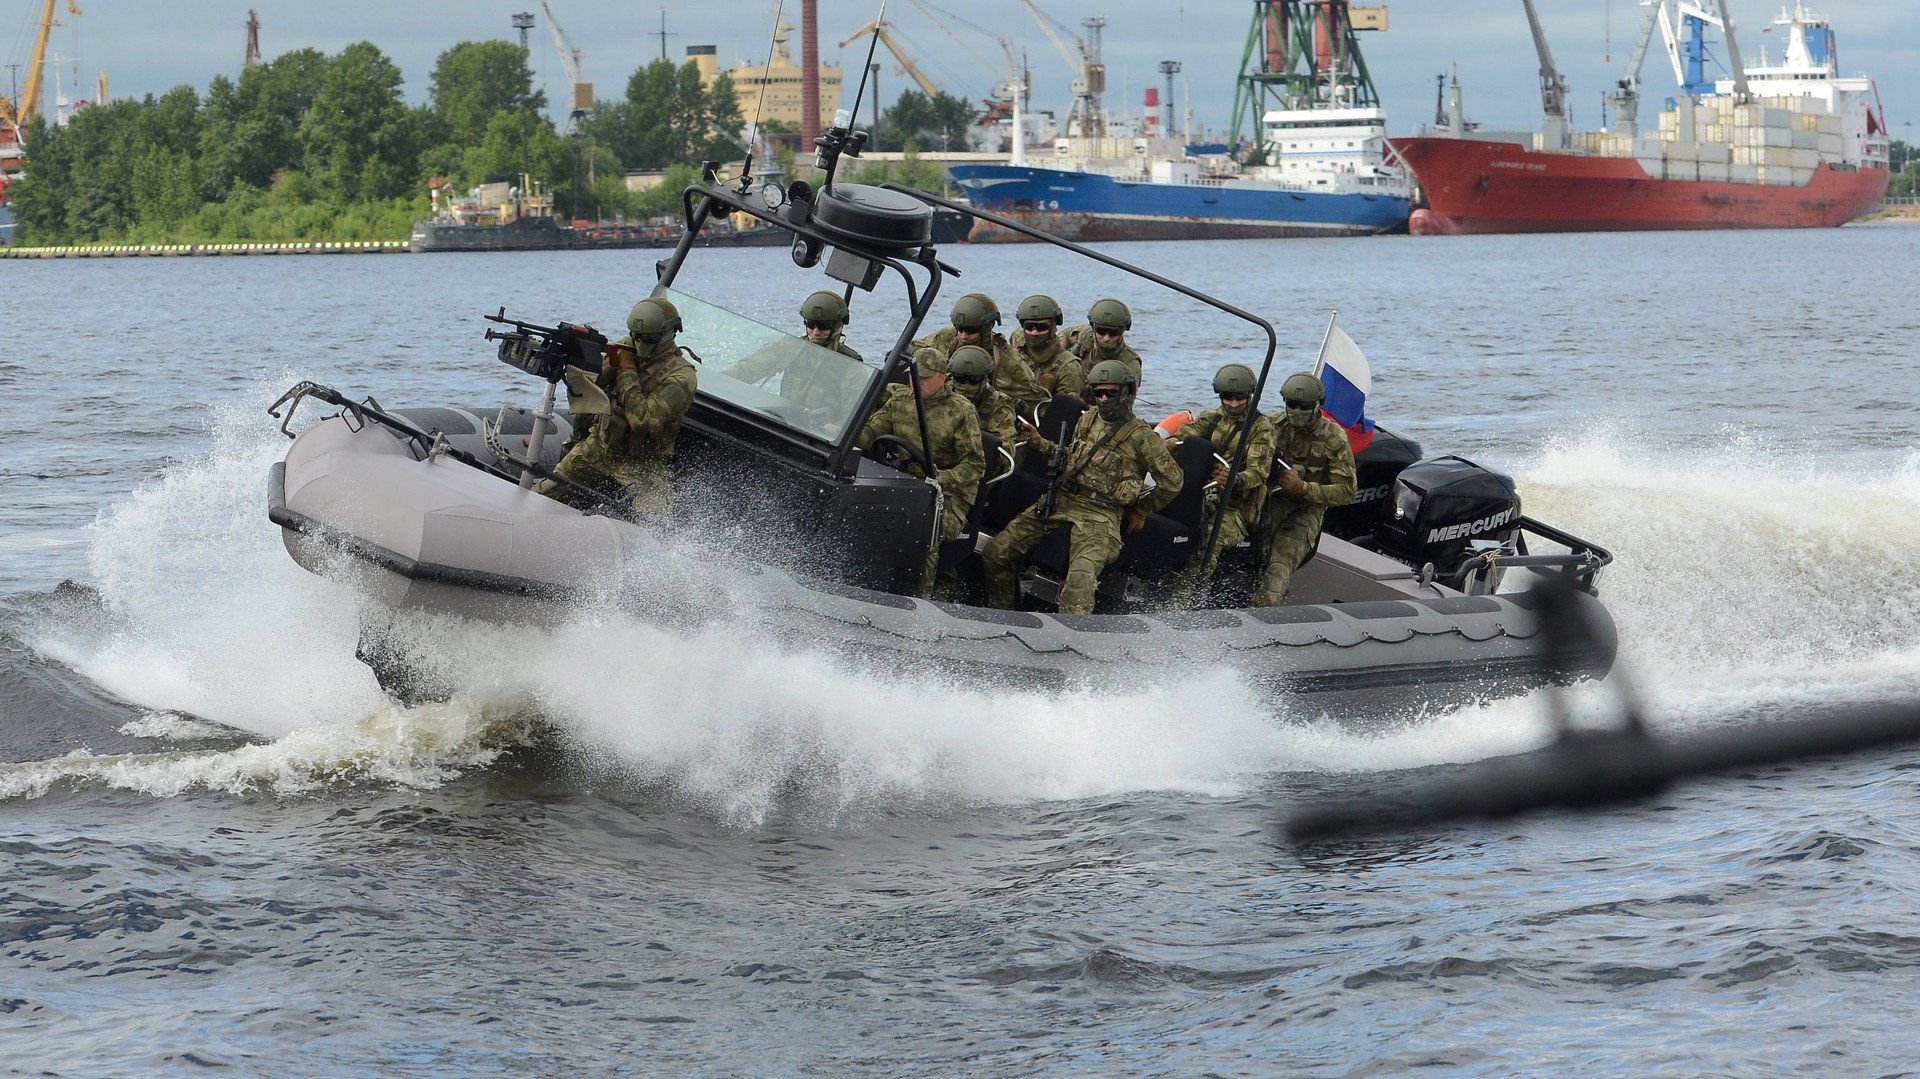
(1170, 426)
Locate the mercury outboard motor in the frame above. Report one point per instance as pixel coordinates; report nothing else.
(1447, 510)
(1375, 468)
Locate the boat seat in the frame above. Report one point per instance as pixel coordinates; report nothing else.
(1157, 551)
(958, 552)
(1058, 418)
(1170, 536)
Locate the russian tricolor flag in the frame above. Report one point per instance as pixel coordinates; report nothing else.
(1343, 370)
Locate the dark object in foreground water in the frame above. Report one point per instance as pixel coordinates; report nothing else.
(1586, 769)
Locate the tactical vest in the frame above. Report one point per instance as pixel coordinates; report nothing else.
(624, 440)
(1225, 432)
(1103, 469)
(950, 417)
(1311, 451)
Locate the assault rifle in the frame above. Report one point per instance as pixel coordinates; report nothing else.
(547, 351)
(1055, 463)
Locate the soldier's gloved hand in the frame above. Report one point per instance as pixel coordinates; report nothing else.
(1291, 482)
(1136, 520)
(1028, 435)
(1049, 380)
(1221, 474)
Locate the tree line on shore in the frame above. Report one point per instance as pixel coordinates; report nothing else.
(316, 147)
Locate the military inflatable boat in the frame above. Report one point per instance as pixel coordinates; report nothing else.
(432, 512)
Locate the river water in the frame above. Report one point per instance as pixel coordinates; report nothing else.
(223, 848)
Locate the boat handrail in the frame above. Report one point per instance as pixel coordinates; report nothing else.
(1580, 563)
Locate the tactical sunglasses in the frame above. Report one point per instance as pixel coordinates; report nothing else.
(969, 380)
(1302, 406)
(812, 325)
(1037, 327)
(1102, 395)
(1104, 332)
(1235, 396)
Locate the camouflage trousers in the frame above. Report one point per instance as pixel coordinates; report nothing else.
(1189, 583)
(953, 521)
(645, 482)
(1287, 548)
(1093, 545)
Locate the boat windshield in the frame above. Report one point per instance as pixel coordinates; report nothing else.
(785, 378)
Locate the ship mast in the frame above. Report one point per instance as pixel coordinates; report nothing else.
(1554, 131)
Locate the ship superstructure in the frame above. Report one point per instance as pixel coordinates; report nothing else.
(1315, 160)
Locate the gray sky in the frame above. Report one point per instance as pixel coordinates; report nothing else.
(146, 46)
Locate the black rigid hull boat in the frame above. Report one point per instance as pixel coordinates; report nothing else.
(430, 511)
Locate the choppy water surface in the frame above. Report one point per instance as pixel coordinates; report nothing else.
(627, 851)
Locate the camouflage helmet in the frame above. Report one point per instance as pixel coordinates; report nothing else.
(1110, 314)
(970, 362)
(975, 311)
(652, 317)
(1302, 390)
(1233, 378)
(824, 306)
(929, 361)
(1111, 373)
(1041, 308)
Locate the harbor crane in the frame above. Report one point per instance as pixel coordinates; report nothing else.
(1010, 91)
(1300, 54)
(1624, 98)
(1695, 19)
(1085, 118)
(913, 71)
(999, 97)
(17, 113)
(1555, 131)
(581, 92)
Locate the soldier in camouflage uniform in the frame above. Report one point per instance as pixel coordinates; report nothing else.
(1099, 492)
(1319, 474)
(1039, 342)
(959, 462)
(1104, 337)
(648, 385)
(974, 317)
(587, 396)
(1238, 497)
(817, 383)
(968, 371)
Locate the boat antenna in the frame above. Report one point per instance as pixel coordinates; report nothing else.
(873, 42)
(753, 133)
(840, 136)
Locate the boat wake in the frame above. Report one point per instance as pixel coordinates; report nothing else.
(1742, 586)
(422, 746)
(1731, 598)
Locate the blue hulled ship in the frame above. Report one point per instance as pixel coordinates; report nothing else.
(1317, 162)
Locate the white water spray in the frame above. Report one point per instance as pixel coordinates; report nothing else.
(1733, 587)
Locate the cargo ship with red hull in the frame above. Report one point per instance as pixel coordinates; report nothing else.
(1787, 145)
(1475, 186)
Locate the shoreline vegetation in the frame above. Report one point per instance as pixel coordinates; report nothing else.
(316, 149)
(310, 148)
(1898, 212)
